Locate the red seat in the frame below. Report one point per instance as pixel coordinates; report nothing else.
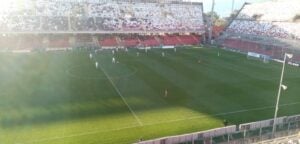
(149, 41)
(130, 42)
(108, 42)
(188, 40)
(170, 40)
(59, 42)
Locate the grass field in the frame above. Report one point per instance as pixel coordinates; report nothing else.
(61, 98)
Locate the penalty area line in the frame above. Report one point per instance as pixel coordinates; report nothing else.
(122, 97)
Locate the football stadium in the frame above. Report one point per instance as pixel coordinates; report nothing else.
(149, 72)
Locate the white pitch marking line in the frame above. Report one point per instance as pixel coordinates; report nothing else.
(120, 94)
(80, 134)
(225, 113)
(176, 120)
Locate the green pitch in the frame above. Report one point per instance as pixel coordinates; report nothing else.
(61, 98)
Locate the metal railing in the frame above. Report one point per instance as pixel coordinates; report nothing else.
(253, 132)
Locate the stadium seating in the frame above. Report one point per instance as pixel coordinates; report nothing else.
(53, 24)
(170, 40)
(258, 28)
(30, 42)
(130, 41)
(149, 41)
(279, 10)
(245, 46)
(9, 42)
(109, 42)
(269, 19)
(270, 28)
(58, 42)
(296, 58)
(84, 39)
(188, 40)
(65, 15)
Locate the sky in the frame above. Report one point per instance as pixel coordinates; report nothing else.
(223, 7)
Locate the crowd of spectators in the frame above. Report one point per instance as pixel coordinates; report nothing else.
(64, 15)
(257, 28)
(279, 10)
(270, 19)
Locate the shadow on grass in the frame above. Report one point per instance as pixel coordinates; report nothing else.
(86, 99)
